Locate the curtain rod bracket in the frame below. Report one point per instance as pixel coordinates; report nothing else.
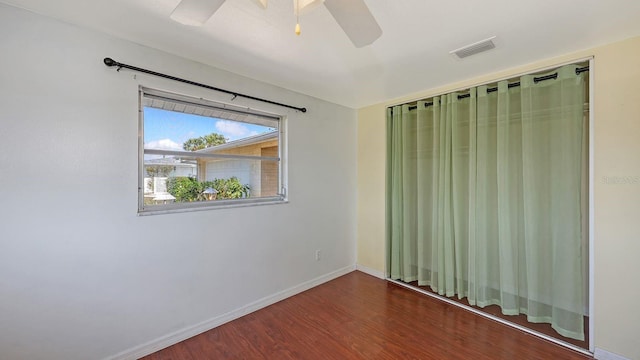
(111, 63)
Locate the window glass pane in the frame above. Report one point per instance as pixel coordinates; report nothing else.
(170, 130)
(191, 156)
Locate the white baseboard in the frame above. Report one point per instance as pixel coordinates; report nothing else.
(191, 331)
(370, 271)
(605, 355)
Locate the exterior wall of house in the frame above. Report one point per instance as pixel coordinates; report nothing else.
(269, 172)
(188, 171)
(616, 93)
(247, 171)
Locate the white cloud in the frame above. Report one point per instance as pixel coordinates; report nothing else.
(233, 130)
(164, 144)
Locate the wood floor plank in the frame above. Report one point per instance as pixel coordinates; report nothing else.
(361, 317)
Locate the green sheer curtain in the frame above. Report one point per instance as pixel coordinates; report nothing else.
(485, 197)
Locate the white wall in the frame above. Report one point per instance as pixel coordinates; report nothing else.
(83, 277)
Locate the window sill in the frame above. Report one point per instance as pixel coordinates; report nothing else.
(180, 208)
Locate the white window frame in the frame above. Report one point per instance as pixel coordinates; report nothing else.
(231, 111)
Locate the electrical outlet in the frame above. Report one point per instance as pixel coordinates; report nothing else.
(317, 255)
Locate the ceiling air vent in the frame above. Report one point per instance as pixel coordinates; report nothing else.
(475, 48)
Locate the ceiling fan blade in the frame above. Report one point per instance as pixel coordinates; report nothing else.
(195, 12)
(262, 3)
(356, 20)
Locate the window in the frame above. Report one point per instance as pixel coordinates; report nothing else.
(199, 154)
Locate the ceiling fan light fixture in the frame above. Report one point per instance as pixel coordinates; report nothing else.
(353, 16)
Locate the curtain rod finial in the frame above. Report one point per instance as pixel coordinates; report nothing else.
(110, 62)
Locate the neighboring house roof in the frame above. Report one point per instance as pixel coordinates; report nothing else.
(178, 162)
(256, 139)
(168, 161)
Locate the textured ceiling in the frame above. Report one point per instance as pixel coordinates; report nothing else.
(412, 55)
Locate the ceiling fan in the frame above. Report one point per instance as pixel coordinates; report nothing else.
(353, 16)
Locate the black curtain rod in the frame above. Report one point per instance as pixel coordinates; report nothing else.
(111, 63)
(512, 85)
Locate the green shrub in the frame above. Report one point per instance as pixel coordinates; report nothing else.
(187, 189)
(230, 188)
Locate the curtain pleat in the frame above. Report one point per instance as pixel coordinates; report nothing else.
(485, 199)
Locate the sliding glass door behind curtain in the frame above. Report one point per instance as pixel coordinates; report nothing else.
(485, 196)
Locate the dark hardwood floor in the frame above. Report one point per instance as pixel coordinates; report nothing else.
(358, 316)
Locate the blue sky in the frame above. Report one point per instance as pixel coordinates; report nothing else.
(168, 130)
